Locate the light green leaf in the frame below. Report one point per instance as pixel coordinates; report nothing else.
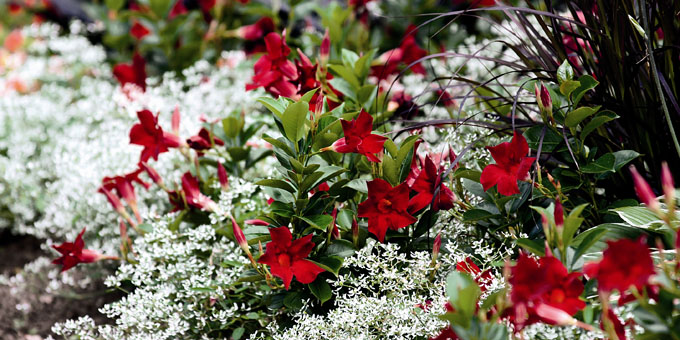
(294, 119)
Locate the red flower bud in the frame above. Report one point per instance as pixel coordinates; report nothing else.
(325, 51)
(559, 213)
(667, 184)
(113, 199)
(155, 177)
(355, 231)
(543, 98)
(222, 175)
(554, 316)
(436, 246)
(644, 191)
(335, 232)
(175, 120)
(139, 31)
(256, 222)
(240, 237)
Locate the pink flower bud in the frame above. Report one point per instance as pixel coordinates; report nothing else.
(222, 175)
(667, 184)
(325, 51)
(554, 315)
(175, 120)
(240, 237)
(256, 222)
(113, 200)
(559, 213)
(543, 98)
(155, 177)
(436, 246)
(643, 190)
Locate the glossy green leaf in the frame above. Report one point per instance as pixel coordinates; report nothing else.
(575, 117)
(294, 119)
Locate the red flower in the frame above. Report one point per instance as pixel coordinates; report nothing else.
(385, 208)
(274, 71)
(483, 278)
(425, 185)
(406, 54)
(254, 35)
(546, 281)
(222, 176)
(615, 322)
(512, 165)
(203, 141)
(193, 194)
(359, 139)
(151, 136)
(286, 257)
(404, 106)
(134, 73)
(139, 31)
(177, 9)
(123, 186)
(73, 253)
(624, 263)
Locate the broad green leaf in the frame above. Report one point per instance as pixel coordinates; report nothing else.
(321, 290)
(587, 240)
(331, 264)
(534, 246)
(114, 5)
(294, 119)
(160, 7)
(276, 183)
(610, 162)
(638, 216)
(551, 140)
(238, 333)
(597, 121)
(587, 83)
(308, 96)
(342, 248)
(358, 185)
(567, 87)
(344, 87)
(273, 105)
(347, 74)
(565, 72)
(477, 215)
(232, 126)
(575, 117)
(320, 222)
(349, 58)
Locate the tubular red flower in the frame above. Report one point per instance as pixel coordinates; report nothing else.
(254, 35)
(177, 9)
(559, 213)
(512, 165)
(543, 98)
(667, 184)
(615, 322)
(222, 176)
(203, 141)
(134, 73)
(239, 236)
(193, 194)
(483, 278)
(138, 30)
(643, 190)
(155, 177)
(624, 263)
(425, 185)
(151, 136)
(407, 54)
(385, 208)
(274, 71)
(287, 258)
(543, 282)
(358, 137)
(73, 253)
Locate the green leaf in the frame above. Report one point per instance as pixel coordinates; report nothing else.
(476, 215)
(277, 183)
(610, 162)
(331, 264)
(160, 7)
(587, 83)
(638, 216)
(575, 117)
(320, 222)
(145, 227)
(321, 289)
(308, 96)
(565, 72)
(533, 246)
(273, 105)
(293, 300)
(294, 119)
(342, 248)
(347, 74)
(463, 293)
(114, 5)
(344, 87)
(238, 333)
(569, 86)
(587, 240)
(349, 58)
(358, 185)
(232, 126)
(637, 26)
(597, 121)
(551, 140)
(473, 175)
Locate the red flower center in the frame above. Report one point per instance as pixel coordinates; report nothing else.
(284, 260)
(384, 206)
(557, 296)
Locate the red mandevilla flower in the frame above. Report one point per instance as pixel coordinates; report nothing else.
(385, 208)
(407, 53)
(358, 137)
(624, 263)
(139, 31)
(483, 278)
(545, 281)
(512, 165)
(177, 9)
(254, 35)
(151, 136)
(643, 190)
(123, 186)
(287, 258)
(274, 71)
(425, 185)
(73, 253)
(203, 141)
(193, 194)
(134, 73)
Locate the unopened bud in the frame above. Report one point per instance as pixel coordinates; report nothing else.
(256, 222)
(222, 176)
(175, 120)
(155, 177)
(436, 246)
(644, 191)
(543, 98)
(554, 315)
(113, 200)
(559, 213)
(324, 53)
(239, 236)
(668, 185)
